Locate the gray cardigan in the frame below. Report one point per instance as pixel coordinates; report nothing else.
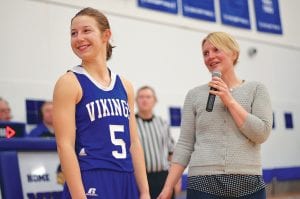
(211, 143)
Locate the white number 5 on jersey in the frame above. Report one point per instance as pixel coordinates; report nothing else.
(118, 142)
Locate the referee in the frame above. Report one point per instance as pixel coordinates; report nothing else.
(156, 139)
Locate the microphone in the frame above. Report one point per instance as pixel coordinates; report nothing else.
(211, 97)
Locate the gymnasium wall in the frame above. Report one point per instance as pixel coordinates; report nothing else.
(153, 48)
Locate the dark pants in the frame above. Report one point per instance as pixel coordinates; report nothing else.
(156, 182)
(193, 194)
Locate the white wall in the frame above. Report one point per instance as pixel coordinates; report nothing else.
(153, 48)
(288, 10)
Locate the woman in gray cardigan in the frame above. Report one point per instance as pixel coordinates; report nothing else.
(222, 147)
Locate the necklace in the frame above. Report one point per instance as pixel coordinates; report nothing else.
(235, 87)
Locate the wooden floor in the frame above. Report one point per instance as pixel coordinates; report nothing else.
(287, 196)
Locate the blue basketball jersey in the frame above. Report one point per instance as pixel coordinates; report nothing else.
(102, 124)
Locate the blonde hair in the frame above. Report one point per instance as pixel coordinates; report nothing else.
(225, 42)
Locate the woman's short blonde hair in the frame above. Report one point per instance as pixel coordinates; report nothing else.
(223, 41)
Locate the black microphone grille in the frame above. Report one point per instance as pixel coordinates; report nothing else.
(216, 74)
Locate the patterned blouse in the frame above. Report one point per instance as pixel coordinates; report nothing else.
(229, 185)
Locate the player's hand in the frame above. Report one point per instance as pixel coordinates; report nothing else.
(166, 193)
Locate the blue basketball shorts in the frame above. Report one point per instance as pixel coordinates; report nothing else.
(107, 184)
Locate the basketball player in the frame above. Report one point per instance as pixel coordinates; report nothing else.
(97, 140)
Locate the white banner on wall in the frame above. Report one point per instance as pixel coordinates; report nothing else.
(38, 172)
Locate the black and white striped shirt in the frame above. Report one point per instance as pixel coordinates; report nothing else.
(157, 142)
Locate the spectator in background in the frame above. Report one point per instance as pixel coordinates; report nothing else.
(156, 139)
(45, 128)
(5, 111)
